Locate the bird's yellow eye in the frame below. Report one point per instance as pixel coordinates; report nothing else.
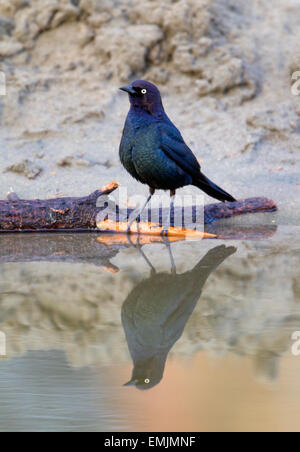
(144, 91)
(147, 381)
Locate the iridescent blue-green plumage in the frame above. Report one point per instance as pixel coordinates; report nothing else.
(152, 149)
(155, 313)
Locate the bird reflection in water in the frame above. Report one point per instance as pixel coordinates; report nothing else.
(155, 313)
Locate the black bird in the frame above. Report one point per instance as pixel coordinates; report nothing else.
(156, 311)
(153, 151)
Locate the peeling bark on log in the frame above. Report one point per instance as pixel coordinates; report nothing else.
(220, 211)
(152, 229)
(80, 214)
(58, 214)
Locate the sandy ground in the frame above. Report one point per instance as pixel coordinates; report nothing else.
(224, 69)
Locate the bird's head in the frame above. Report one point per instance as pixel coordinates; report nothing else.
(144, 95)
(148, 372)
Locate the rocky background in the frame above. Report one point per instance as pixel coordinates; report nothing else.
(225, 70)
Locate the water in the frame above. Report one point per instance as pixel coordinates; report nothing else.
(208, 348)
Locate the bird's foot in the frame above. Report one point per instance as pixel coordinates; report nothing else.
(138, 247)
(166, 228)
(164, 232)
(138, 219)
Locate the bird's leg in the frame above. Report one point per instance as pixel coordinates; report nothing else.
(167, 225)
(138, 216)
(139, 248)
(168, 245)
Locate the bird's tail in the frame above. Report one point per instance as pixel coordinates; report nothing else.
(212, 189)
(197, 277)
(213, 259)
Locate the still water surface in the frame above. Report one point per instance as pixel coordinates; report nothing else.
(207, 347)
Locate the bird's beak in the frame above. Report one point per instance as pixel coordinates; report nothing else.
(128, 89)
(132, 382)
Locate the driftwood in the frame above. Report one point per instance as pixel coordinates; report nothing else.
(152, 229)
(80, 214)
(58, 214)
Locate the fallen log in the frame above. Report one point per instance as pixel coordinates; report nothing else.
(152, 229)
(80, 214)
(52, 215)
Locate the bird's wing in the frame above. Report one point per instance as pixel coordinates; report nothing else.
(174, 146)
